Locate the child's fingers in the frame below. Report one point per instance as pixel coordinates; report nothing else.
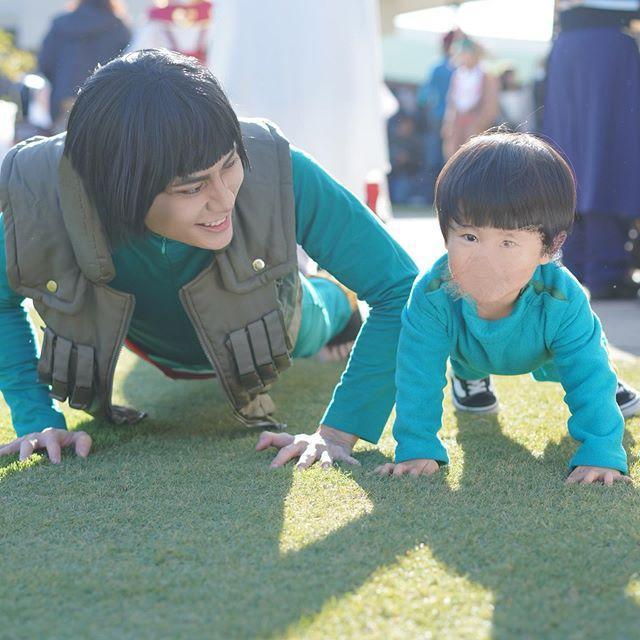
(590, 477)
(384, 469)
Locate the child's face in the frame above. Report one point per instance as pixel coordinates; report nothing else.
(198, 210)
(493, 265)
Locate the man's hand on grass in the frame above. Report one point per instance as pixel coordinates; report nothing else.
(325, 446)
(53, 440)
(417, 467)
(589, 475)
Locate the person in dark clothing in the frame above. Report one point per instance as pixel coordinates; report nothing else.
(76, 43)
(592, 113)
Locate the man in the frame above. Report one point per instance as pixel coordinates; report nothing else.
(161, 220)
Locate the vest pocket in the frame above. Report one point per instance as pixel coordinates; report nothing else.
(241, 349)
(82, 393)
(260, 352)
(68, 368)
(278, 340)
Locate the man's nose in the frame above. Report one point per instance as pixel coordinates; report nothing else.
(221, 198)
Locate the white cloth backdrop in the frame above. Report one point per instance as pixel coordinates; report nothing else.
(314, 68)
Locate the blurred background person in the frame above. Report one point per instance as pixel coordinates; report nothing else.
(405, 153)
(472, 101)
(516, 102)
(92, 33)
(180, 25)
(432, 98)
(592, 113)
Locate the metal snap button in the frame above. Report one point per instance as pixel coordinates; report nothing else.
(258, 265)
(52, 286)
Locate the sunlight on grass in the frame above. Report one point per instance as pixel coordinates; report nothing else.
(633, 588)
(319, 503)
(404, 600)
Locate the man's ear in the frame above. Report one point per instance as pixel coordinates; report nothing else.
(558, 241)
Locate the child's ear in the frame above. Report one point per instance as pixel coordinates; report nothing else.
(558, 241)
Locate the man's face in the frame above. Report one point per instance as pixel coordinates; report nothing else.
(197, 209)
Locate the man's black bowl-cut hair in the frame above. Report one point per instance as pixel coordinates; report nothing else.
(141, 121)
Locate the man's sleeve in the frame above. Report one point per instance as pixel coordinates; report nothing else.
(31, 407)
(582, 360)
(347, 240)
(421, 378)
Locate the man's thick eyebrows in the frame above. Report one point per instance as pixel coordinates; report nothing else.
(199, 177)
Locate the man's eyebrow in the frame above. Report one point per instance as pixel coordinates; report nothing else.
(199, 177)
(190, 179)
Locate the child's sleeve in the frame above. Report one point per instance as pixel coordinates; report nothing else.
(582, 360)
(421, 368)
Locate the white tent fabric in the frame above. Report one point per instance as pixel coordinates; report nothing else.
(313, 68)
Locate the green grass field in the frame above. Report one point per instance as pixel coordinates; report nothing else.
(177, 528)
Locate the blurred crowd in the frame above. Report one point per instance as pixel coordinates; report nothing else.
(459, 98)
(586, 101)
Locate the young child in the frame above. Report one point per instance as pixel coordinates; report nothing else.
(498, 302)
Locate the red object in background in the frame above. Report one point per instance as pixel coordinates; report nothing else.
(373, 193)
(178, 12)
(191, 14)
(170, 373)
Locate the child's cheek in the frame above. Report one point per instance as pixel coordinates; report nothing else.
(483, 279)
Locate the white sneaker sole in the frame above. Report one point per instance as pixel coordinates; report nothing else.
(632, 408)
(493, 408)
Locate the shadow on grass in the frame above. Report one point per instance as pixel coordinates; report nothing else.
(181, 527)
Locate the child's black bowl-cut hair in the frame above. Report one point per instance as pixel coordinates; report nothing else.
(507, 181)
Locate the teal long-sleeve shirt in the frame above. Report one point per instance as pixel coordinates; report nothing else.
(333, 227)
(551, 332)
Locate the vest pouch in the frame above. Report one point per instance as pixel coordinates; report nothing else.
(238, 341)
(83, 365)
(68, 368)
(278, 340)
(262, 352)
(61, 368)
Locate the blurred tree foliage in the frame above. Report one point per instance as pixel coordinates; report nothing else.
(14, 62)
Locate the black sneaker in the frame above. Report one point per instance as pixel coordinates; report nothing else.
(474, 395)
(628, 400)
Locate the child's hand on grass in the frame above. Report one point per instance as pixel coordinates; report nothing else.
(417, 467)
(589, 475)
(325, 446)
(53, 440)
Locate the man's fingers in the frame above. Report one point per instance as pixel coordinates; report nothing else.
(269, 439)
(286, 453)
(625, 479)
(608, 479)
(399, 470)
(308, 457)
(53, 447)
(12, 447)
(326, 461)
(573, 478)
(26, 447)
(82, 442)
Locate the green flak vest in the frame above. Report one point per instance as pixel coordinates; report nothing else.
(245, 306)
